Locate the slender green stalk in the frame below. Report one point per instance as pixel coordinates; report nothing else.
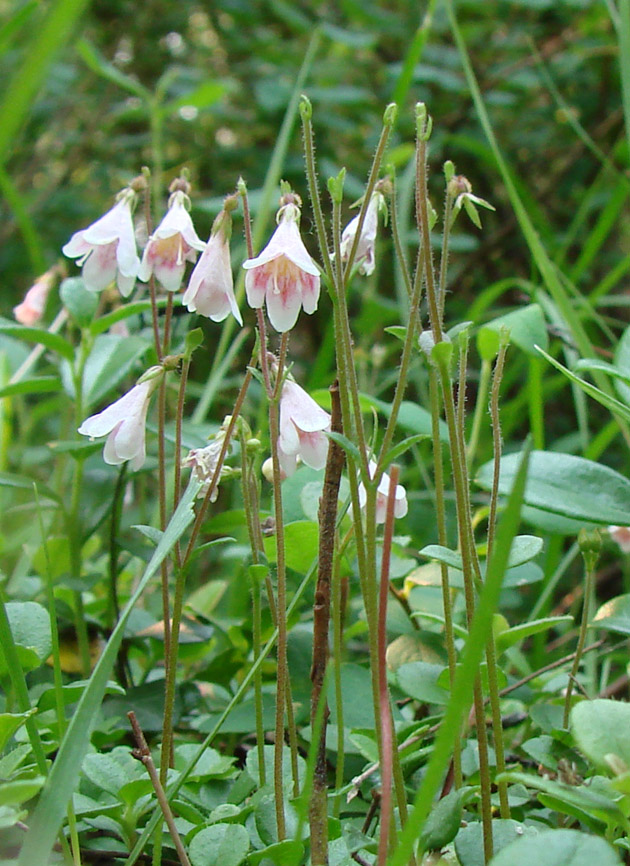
(440, 513)
(466, 672)
(338, 652)
(590, 545)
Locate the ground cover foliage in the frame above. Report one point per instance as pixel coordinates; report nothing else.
(409, 644)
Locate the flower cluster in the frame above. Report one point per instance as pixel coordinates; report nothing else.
(283, 278)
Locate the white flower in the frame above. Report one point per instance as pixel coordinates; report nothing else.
(30, 311)
(382, 494)
(283, 274)
(621, 534)
(173, 243)
(106, 250)
(124, 423)
(302, 426)
(211, 287)
(204, 461)
(365, 249)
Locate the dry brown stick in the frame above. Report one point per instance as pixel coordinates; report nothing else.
(318, 816)
(143, 753)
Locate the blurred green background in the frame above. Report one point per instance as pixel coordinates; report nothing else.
(220, 76)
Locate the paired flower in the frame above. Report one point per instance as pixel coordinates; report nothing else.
(106, 250)
(302, 429)
(210, 291)
(284, 275)
(124, 422)
(382, 494)
(367, 239)
(30, 311)
(172, 244)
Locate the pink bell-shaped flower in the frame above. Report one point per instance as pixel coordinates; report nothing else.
(302, 426)
(284, 275)
(30, 311)
(172, 244)
(382, 493)
(210, 290)
(367, 240)
(124, 422)
(106, 250)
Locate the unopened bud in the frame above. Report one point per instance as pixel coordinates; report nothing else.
(390, 114)
(306, 109)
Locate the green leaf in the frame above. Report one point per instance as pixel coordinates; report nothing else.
(20, 790)
(135, 308)
(518, 633)
(301, 540)
(290, 852)
(524, 548)
(558, 848)
(71, 693)
(80, 303)
(112, 358)
(200, 97)
(567, 485)
(443, 824)
(469, 840)
(30, 627)
(622, 362)
(349, 447)
(98, 64)
(63, 779)
(614, 615)
(395, 452)
(527, 328)
(36, 385)
(22, 482)
(9, 724)
(600, 728)
(419, 680)
(615, 406)
(55, 342)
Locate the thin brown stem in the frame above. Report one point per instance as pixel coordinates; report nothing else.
(143, 754)
(318, 816)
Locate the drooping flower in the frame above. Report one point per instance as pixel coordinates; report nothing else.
(30, 311)
(284, 275)
(211, 287)
(172, 244)
(367, 240)
(124, 422)
(204, 461)
(621, 534)
(106, 250)
(302, 426)
(382, 493)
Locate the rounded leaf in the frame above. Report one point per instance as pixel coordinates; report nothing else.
(558, 848)
(219, 845)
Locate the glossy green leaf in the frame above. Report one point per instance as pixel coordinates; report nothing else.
(614, 615)
(567, 485)
(290, 852)
(518, 633)
(20, 790)
(524, 548)
(558, 848)
(112, 358)
(9, 724)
